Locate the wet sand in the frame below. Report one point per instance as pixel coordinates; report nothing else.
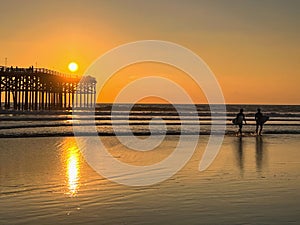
(253, 180)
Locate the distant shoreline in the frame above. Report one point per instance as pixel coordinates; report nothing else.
(139, 106)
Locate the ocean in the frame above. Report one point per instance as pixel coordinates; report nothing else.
(44, 178)
(283, 120)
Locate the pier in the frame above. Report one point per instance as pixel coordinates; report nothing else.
(28, 89)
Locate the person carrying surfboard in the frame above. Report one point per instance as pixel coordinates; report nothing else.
(240, 117)
(260, 120)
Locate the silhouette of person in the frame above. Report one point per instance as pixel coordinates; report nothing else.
(240, 118)
(259, 123)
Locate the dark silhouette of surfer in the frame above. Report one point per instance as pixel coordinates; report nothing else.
(240, 118)
(259, 122)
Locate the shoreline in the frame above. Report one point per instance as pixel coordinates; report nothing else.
(145, 134)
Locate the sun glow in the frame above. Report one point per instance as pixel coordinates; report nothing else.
(73, 66)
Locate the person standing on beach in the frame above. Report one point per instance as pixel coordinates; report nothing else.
(240, 117)
(259, 122)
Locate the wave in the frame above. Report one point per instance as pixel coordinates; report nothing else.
(140, 118)
(140, 123)
(71, 134)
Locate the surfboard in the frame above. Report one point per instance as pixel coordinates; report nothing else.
(238, 120)
(264, 119)
(234, 121)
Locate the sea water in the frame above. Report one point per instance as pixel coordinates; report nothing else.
(283, 120)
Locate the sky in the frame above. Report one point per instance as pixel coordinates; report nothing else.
(252, 46)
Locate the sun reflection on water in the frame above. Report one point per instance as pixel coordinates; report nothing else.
(73, 173)
(72, 166)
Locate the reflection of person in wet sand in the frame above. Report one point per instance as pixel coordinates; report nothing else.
(240, 155)
(259, 153)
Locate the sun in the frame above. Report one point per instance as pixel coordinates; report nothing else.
(73, 66)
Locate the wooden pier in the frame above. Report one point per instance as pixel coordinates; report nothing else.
(27, 89)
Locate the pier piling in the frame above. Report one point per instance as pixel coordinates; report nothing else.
(31, 89)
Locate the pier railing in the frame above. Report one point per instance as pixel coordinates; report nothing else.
(36, 70)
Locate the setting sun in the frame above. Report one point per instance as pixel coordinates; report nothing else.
(73, 67)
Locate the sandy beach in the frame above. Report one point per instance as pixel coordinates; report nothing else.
(253, 180)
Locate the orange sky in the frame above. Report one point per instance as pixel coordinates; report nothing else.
(251, 46)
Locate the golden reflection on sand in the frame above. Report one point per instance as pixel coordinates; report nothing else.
(72, 162)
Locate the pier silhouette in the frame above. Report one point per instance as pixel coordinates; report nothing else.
(32, 88)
